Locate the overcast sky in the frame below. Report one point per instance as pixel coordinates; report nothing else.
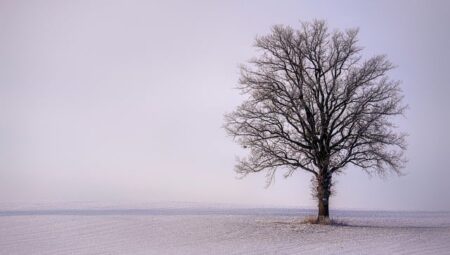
(119, 101)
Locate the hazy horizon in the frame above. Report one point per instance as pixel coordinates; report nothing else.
(123, 101)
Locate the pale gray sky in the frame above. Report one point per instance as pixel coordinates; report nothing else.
(121, 101)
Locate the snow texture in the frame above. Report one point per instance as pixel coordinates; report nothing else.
(191, 229)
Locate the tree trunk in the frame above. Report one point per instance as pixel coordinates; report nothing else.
(323, 195)
(324, 213)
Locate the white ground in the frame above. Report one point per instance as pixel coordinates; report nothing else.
(217, 230)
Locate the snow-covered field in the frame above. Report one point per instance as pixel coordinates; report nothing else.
(187, 229)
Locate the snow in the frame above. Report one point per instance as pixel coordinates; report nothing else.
(196, 229)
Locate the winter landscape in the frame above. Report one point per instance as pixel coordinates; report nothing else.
(180, 228)
(314, 127)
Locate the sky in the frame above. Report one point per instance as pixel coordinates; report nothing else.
(118, 101)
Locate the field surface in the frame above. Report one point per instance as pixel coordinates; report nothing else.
(187, 229)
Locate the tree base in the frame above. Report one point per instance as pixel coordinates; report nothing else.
(317, 220)
(324, 220)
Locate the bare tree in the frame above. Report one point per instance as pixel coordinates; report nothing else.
(313, 103)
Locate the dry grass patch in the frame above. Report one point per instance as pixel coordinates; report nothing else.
(325, 221)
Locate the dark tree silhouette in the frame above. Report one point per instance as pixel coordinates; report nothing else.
(313, 103)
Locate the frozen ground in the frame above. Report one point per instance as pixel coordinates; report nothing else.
(193, 229)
